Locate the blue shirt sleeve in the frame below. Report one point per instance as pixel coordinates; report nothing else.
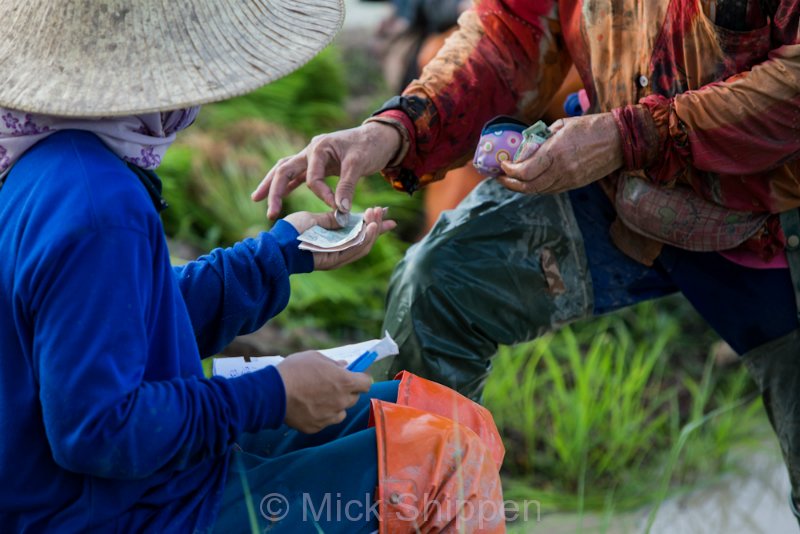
(234, 291)
(93, 311)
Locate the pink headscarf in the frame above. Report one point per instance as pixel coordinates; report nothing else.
(138, 139)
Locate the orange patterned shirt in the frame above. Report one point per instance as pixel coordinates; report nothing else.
(706, 94)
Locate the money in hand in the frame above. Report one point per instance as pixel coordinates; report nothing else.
(341, 218)
(532, 138)
(319, 239)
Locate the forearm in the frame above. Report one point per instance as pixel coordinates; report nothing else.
(741, 126)
(118, 379)
(159, 425)
(235, 291)
(490, 66)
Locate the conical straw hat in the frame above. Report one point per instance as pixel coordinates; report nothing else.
(89, 58)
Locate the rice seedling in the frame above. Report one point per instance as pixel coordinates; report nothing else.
(593, 415)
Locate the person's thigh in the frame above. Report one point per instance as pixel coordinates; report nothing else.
(311, 478)
(746, 307)
(326, 488)
(618, 280)
(270, 443)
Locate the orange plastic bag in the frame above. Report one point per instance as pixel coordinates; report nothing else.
(439, 456)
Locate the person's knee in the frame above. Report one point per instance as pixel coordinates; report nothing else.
(420, 269)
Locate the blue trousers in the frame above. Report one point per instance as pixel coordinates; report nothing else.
(746, 307)
(296, 483)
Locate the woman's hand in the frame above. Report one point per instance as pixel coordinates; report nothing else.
(327, 261)
(582, 150)
(349, 154)
(319, 390)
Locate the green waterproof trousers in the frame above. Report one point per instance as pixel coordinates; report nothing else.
(496, 246)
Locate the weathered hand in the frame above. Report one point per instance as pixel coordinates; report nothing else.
(582, 150)
(349, 154)
(319, 390)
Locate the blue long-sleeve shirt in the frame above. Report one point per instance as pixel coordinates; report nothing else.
(106, 420)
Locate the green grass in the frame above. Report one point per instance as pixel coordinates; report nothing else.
(605, 415)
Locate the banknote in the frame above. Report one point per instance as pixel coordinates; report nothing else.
(532, 138)
(350, 244)
(328, 239)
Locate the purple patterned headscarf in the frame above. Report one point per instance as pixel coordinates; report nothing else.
(138, 139)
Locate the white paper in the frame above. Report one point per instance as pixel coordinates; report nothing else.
(237, 366)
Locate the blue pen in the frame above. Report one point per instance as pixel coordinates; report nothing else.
(363, 362)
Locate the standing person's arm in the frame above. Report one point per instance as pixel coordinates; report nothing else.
(739, 128)
(506, 57)
(746, 124)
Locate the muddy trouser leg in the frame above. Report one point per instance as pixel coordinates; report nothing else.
(776, 369)
(500, 268)
(503, 268)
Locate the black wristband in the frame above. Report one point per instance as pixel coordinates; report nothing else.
(408, 105)
(406, 177)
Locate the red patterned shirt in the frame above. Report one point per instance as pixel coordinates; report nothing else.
(706, 94)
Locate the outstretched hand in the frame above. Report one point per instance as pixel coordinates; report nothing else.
(582, 150)
(374, 225)
(349, 154)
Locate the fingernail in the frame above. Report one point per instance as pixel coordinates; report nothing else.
(346, 204)
(385, 210)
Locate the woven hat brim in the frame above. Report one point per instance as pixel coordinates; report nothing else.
(94, 58)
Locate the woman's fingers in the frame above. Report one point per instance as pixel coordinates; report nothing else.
(374, 226)
(371, 236)
(352, 254)
(388, 226)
